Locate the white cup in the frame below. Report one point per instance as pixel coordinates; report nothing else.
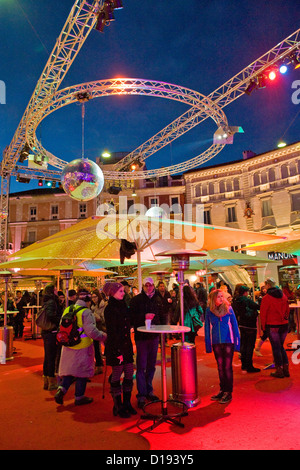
(148, 324)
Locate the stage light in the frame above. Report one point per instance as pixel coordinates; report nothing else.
(100, 25)
(283, 69)
(251, 87)
(109, 11)
(135, 165)
(262, 83)
(22, 179)
(24, 153)
(295, 60)
(40, 183)
(272, 75)
(117, 4)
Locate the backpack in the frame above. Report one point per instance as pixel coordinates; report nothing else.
(69, 332)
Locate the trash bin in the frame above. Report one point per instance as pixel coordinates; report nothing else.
(184, 374)
(6, 344)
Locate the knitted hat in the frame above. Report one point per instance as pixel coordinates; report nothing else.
(110, 288)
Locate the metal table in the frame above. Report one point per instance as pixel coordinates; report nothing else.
(34, 329)
(164, 416)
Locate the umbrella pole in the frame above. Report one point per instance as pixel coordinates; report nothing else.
(5, 302)
(138, 256)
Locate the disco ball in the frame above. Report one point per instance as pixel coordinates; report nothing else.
(82, 179)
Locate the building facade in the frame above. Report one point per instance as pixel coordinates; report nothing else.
(258, 193)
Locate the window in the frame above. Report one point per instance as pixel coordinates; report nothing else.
(231, 214)
(31, 237)
(154, 201)
(204, 189)
(263, 177)
(222, 188)
(295, 197)
(163, 181)
(293, 169)
(284, 171)
(32, 213)
(256, 179)
(206, 217)
(236, 184)
(266, 209)
(82, 211)
(272, 175)
(54, 212)
(229, 186)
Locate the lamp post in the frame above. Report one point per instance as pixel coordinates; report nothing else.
(6, 332)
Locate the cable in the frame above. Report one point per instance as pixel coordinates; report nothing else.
(32, 27)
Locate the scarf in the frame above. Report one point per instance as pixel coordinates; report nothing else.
(220, 311)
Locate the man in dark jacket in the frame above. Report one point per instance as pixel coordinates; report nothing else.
(246, 311)
(147, 302)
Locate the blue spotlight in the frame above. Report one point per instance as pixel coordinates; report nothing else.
(283, 69)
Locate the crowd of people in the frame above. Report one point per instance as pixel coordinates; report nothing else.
(108, 317)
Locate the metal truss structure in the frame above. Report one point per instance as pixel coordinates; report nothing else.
(47, 97)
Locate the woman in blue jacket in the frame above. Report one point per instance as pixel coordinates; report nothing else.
(223, 338)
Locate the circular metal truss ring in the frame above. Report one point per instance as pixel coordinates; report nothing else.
(128, 86)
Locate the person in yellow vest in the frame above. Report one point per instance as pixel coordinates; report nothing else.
(77, 362)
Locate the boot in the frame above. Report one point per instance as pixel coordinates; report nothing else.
(257, 348)
(126, 403)
(286, 371)
(46, 382)
(278, 373)
(52, 383)
(118, 409)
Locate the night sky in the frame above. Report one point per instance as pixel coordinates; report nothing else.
(193, 43)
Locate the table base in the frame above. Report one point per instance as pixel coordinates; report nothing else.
(164, 416)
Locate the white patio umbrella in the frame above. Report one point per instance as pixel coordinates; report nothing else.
(100, 238)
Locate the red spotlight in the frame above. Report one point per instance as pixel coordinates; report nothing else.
(272, 75)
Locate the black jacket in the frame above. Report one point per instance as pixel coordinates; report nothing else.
(53, 309)
(139, 306)
(118, 343)
(245, 311)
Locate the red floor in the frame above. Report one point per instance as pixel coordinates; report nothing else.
(264, 413)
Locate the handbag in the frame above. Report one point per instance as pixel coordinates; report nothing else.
(197, 323)
(42, 320)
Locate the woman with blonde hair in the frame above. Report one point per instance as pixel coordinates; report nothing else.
(223, 338)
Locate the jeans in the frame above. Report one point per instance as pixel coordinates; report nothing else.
(146, 353)
(277, 335)
(114, 380)
(224, 354)
(50, 352)
(248, 338)
(80, 384)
